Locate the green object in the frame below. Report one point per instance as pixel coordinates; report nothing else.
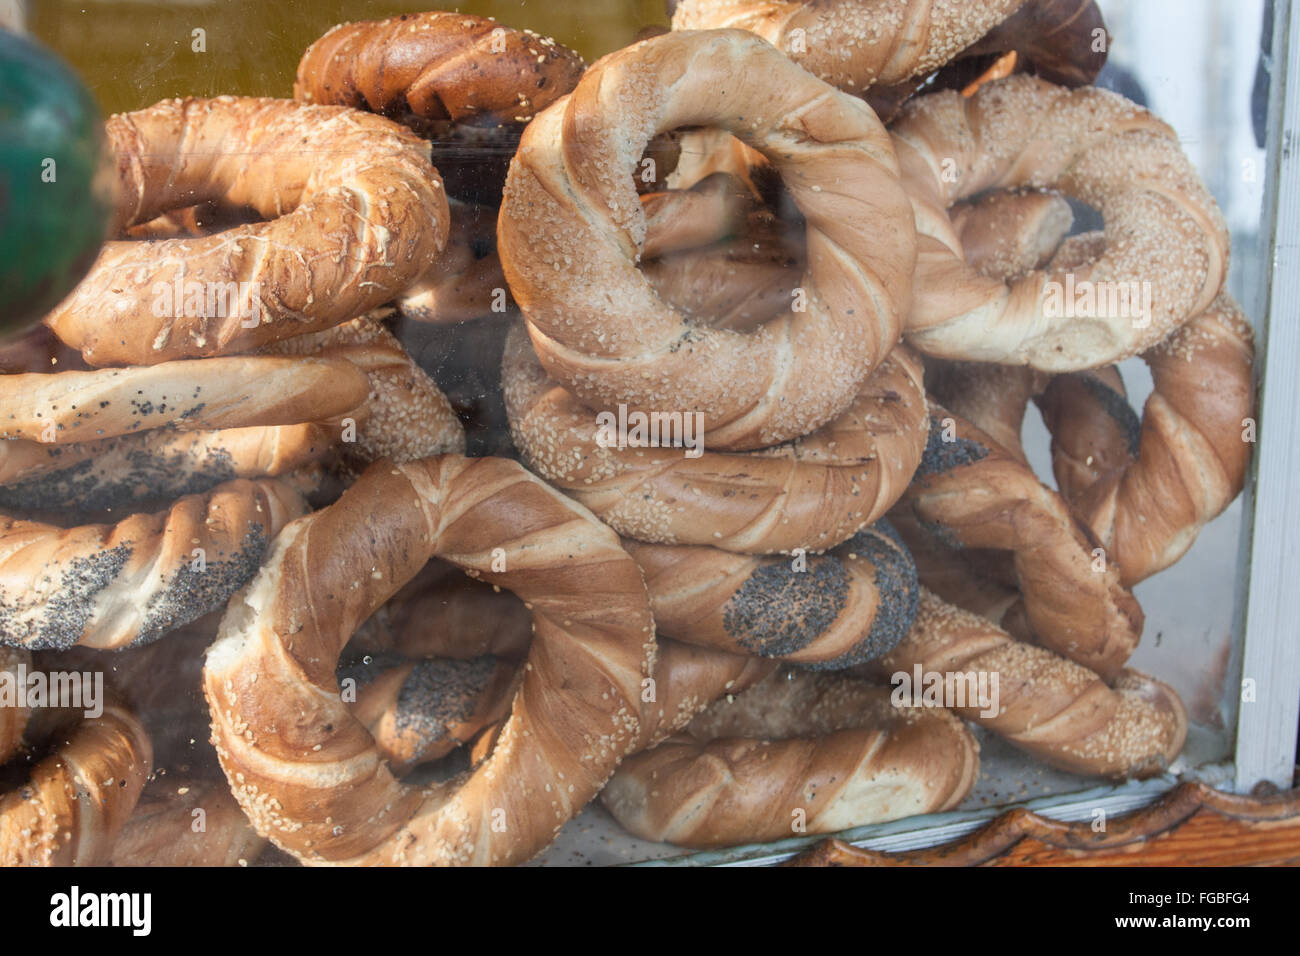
(55, 196)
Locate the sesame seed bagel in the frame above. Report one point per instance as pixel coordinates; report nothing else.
(1057, 710)
(822, 611)
(356, 212)
(306, 771)
(855, 44)
(72, 807)
(1147, 488)
(1165, 238)
(796, 753)
(107, 586)
(813, 493)
(571, 231)
(970, 493)
(72, 406)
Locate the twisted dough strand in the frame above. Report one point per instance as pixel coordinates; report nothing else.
(1147, 493)
(107, 586)
(970, 493)
(825, 744)
(154, 465)
(855, 44)
(1057, 710)
(161, 831)
(71, 406)
(406, 416)
(820, 611)
(420, 68)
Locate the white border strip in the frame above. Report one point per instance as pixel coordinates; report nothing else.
(1266, 728)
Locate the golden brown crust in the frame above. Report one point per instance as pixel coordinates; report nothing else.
(812, 493)
(420, 68)
(571, 230)
(1166, 236)
(1146, 494)
(69, 407)
(1057, 710)
(970, 493)
(796, 753)
(309, 775)
(109, 585)
(825, 611)
(406, 417)
(71, 808)
(361, 212)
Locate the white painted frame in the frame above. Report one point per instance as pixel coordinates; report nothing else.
(1268, 624)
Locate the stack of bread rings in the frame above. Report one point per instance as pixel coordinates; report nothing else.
(634, 460)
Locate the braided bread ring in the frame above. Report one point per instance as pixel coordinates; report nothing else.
(1162, 225)
(1060, 712)
(812, 493)
(855, 44)
(210, 393)
(308, 774)
(77, 800)
(1147, 494)
(361, 212)
(970, 493)
(829, 745)
(844, 608)
(571, 229)
(419, 68)
(107, 586)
